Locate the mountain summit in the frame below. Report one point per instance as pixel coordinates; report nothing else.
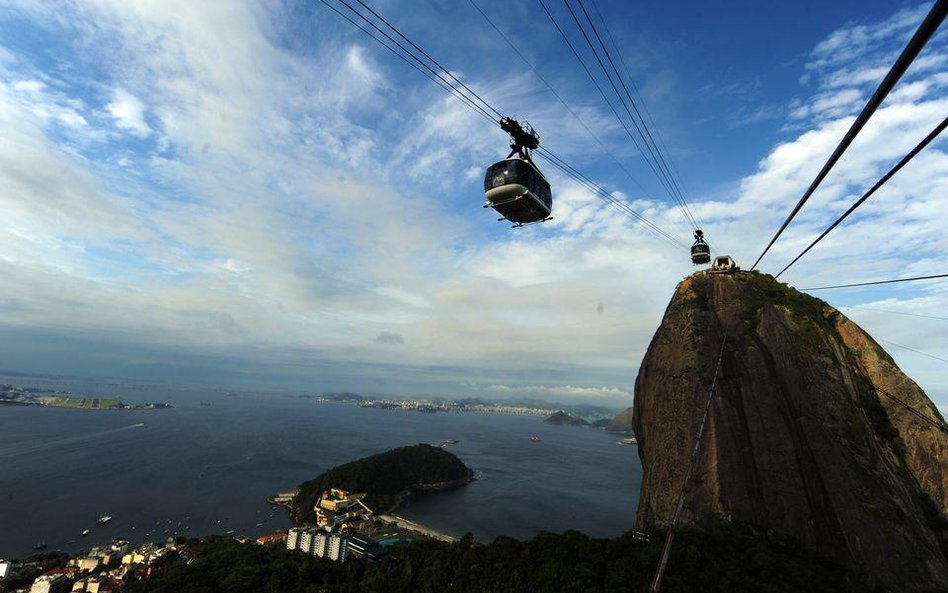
(809, 433)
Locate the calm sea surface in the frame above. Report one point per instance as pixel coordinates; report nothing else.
(198, 469)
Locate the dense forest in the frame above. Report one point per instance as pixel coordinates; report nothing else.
(385, 477)
(721, 558)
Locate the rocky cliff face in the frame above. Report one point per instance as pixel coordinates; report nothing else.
(800, 439)
(622, 422)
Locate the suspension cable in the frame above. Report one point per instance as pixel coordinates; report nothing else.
(603, 194)
(449, 87)
(915, 45)
(911, 409)
(456, 92)
(595, 82)
(659, 173)
(894, 312)
(647, 137)
(642, 102)
(434, 61)
(575, 115)
(879, 282)
(438, 81)
(914, 350)
(670, 536)
(918, 148)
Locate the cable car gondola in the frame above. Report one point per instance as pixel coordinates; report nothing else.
(515, 187)
(700, 251)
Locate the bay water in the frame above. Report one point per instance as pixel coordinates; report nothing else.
(207, 464)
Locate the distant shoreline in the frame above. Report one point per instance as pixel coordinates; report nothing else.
(19, 396)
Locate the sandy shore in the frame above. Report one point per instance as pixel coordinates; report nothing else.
(412, 526)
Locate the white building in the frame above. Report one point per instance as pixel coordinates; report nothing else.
(338, 548)
(293, 538)
(306, 542)
(319, 547)
(50, 584)
(4, 569)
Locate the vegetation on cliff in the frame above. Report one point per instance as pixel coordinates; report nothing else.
(387, 478)
(720, 558)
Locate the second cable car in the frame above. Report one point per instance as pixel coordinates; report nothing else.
(700, 251)
(515, 187)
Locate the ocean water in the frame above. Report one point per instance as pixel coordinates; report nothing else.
(197, 469)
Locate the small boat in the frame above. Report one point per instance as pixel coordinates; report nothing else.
(40, 545)
(628, 441)
(105, 518)
(259, 524)
(450, 442)
(85, 532)
(534, 439)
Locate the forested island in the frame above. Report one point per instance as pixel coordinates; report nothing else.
(389, 479)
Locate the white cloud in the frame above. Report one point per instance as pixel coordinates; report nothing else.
(305, 208)
(129, 113)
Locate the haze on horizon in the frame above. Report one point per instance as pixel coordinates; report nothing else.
(257, 194)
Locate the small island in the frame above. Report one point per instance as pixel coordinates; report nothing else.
(389, 479)
(561, 418)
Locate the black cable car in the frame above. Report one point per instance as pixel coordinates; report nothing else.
(700, 251)
(515, 187)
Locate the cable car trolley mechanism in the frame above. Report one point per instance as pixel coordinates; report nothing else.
(515, 187)
(700, 251)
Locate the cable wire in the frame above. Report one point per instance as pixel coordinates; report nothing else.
(647, 137)
(603, 194)
(879, 282)
(437, 81)
(670, 536)
(434, 61)
(446, 85)
(648, 114)
(595, 82)
(456, 92)
(659, 173)
(894, 312)
(912, 409)
(915, 45)
(914, 350)
(918, 148)
(560, 98)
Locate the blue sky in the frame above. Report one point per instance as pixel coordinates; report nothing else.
(255, 193)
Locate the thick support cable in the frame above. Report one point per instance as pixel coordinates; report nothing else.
(434, 61)
(654, 166)
(925, 31)
(882, 181)
(408, 52)
(670, 536)
(439, 79)
(647, 136)
(926, 354)
(894, 312)
(648, 114)
(447, 88)
(940, 426)
(913, 279)
(549, 86)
